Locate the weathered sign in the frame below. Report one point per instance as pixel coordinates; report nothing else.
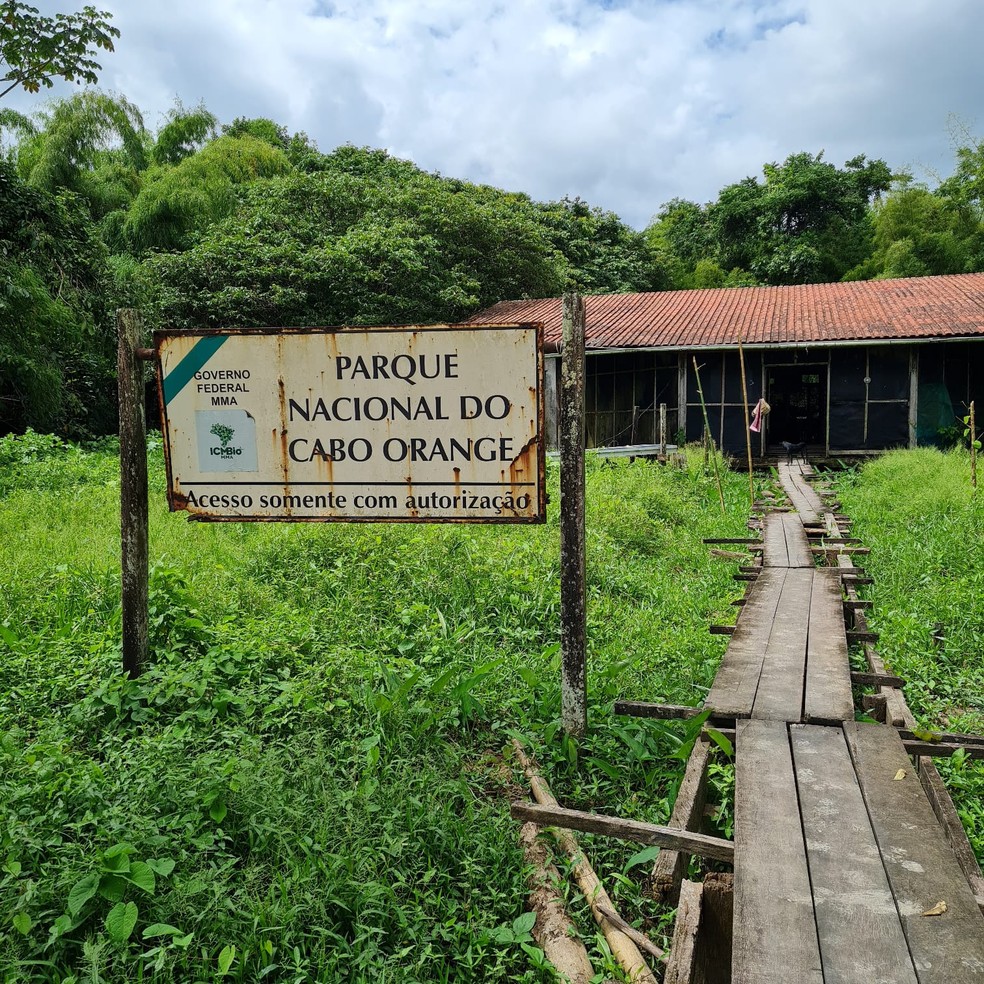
(437, 423)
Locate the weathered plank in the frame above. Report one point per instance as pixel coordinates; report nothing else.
(712, 964)
(804, 499)
(683, 950)
(941, 749)
(774, 550)
(639, 708)
(828, 696)
(631, 830)
(780, 690)
(797, 545)
(953, 829)
(733, 692)
(775, 935)
(876, 679)
(922, 869)
(858, 925)
(688, 811)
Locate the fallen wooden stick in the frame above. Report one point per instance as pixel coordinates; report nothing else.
(623, 948)
(632, 830)
(640, 939)
(553, 930)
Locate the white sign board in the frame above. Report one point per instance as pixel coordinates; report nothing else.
(437, 423)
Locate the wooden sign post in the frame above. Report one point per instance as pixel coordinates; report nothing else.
(573, 623)
(133, 493)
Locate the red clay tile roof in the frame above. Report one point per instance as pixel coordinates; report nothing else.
(915, 308)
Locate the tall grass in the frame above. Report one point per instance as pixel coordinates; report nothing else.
(308, 782)
(924, 523)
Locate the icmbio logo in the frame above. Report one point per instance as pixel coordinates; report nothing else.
(226, 441)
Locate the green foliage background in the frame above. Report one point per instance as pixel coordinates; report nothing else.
(202, 224)
(312, 769)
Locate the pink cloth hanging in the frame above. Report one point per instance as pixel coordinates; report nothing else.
(761, 409)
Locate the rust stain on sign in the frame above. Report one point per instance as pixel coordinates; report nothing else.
(437, 423)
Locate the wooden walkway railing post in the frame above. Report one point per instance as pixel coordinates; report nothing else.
(573, 603)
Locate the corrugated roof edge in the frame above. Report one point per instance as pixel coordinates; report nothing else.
(918, 308)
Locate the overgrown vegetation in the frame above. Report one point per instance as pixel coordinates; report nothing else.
(918, 513)
(308, 783)
(204, 224)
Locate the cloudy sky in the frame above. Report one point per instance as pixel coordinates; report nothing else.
(625, 103)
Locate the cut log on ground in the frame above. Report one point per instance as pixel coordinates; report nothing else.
(553, 930)
(622, 947)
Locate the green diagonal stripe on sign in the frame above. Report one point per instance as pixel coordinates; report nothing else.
(183, 373)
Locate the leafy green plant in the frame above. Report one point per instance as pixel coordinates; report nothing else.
(114, 877)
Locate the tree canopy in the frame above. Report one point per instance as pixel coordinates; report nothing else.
(204, 224)
(808, 221)
(36, 49)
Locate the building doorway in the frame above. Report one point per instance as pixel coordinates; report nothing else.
(798, 398)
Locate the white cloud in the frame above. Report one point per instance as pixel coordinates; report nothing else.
(627, 103)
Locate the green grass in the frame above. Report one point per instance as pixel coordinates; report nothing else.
(924, 524)
(308, 782)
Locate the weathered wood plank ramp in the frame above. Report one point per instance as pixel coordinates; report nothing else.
(804, 499)
(784, 541)
(850, 866)
(843, 873)
(838, 858)
(775, 933)
(787, 658)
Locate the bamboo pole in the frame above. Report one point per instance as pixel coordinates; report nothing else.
(707, 431)
(973, 448)
(623, 948)
(748, 432)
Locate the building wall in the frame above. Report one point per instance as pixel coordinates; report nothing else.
(624, 392)
(866, 397)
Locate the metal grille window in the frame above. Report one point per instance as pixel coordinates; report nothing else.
(624, 393)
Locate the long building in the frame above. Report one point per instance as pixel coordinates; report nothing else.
(847, 368)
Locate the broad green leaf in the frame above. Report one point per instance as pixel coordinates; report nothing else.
(226, 958)
(218, 810)
(723, 743)
(22, 922)
(160, 929)
(116, 850)
(81, 892)
(162, 866)
(63, 924)
(142, 875)
(524, 923)
(117, 858)
(641, 857)
(121, 920)
(112, 887)
(13, 867)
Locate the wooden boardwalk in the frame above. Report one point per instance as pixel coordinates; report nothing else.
(851, 865)
(787, 658)
(842, 871)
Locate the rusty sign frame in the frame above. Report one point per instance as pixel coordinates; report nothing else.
(212, 339)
